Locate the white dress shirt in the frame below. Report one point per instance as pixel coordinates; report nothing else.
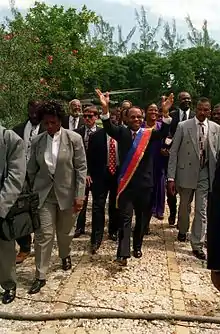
(73, 123)
(206, 128)
(181, 114)
(116, 150)
(52, 150)
(30, 131)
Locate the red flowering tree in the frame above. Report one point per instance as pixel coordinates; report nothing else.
(43, 54)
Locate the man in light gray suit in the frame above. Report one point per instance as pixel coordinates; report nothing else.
(13, 166)
(57, 170)
(191, 170)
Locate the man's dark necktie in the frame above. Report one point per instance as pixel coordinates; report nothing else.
(184, 116)
(202, 145)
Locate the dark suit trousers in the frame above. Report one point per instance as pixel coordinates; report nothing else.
(171, 199)
(25, 243)
(101, 187)
(172, 203)
(139, 200)
(81, 221)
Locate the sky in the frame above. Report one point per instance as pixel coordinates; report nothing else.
(122, 11)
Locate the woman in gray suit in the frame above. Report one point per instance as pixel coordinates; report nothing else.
(57, 171)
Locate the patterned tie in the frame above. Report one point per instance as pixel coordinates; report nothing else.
(73, 123)
(184, 116)
(88, 134)
(112, 157)
(134, 135)
(202, 145)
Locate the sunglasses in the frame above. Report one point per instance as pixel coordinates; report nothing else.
(88, 116)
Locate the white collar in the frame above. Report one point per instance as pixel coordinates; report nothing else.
(132, 131)
(204, 123)
(73, 118)
(56, 135)
(93, 129)
(182, 111)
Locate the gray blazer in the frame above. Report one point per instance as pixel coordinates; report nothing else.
(69, 179)
(184, 163)
(12, 169)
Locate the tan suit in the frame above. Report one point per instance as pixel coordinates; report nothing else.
(190, 178)
(13, 161)
(57, 194)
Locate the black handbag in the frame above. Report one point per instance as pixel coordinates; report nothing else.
(23, 217)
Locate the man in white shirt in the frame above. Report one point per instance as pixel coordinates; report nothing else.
(74, 120)
(27, 131)
(191, 170)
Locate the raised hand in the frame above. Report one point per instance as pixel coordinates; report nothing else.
(104, 99)
(167, 103)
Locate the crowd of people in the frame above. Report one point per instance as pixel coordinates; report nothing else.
(136, 158)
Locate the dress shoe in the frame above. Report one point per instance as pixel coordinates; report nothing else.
(112, 236)
(94, 248)
(121, 261)
(199, 254)
(36, 286)
(171, 220)
(8, 296)
(137, 254)
(66, 263)
(160, 217)
(147, 231)
(181, 237)
(21, 257)
(78, 233)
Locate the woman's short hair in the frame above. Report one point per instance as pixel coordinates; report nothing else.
(52, 108)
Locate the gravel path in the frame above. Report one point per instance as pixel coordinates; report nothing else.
(167, 279)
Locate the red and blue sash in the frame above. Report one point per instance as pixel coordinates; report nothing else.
(134, 156)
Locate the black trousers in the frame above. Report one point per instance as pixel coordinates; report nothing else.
(25, 243)
(139, 200)
(81, 220)
(101, 187)
(172, 203)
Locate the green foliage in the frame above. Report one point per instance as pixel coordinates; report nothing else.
(53, 52)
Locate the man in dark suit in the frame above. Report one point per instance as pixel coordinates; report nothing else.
(27, 131)
(137, 195)
(103, 164)
(182, 113)
(90, 115)
(73, 121)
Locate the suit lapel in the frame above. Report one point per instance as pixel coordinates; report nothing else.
(191, 114)
(211, 138)
(63, 151)
(42, 149)
(193, 135)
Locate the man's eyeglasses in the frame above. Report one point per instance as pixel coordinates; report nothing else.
(88, 116)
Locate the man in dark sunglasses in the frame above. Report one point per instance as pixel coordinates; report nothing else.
(90, 115)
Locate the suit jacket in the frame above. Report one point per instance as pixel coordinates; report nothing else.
(13, 166)
(70, 175)
(19, 129)
(184, 163)
(65, 122)
(213, 227)
(82, 130)
(143, 176)
(97, 163)
(175, 114)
